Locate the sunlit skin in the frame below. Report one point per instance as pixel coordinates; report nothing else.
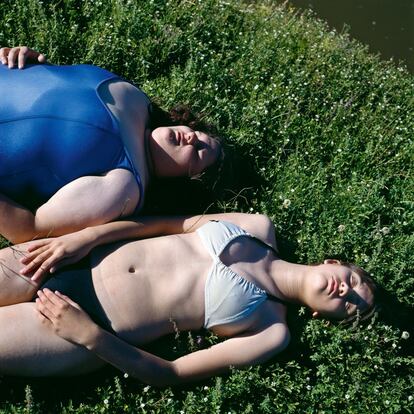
(166, 152)
(339, 292)
(330, 290)
(180, 151)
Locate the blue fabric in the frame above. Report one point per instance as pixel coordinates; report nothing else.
(54, 128)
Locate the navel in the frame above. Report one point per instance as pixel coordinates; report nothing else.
(131, 269)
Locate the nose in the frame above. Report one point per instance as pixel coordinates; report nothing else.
(343, 289)
(191, 138)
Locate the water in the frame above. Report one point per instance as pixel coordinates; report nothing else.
(386, 26)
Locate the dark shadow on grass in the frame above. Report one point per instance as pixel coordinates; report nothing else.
(233, 185)
(398, 315)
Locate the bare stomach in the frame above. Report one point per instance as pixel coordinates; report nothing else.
(150, 288)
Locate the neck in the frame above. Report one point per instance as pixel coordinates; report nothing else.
(148, 154)
(290, 280)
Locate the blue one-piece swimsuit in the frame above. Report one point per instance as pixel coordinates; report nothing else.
(54, 128)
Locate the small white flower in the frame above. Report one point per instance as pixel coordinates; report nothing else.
(126, 375)
(308, 387)
(286, 203)
(405, 335)
(205, 399)
(205, 388)
(347, 396)
(169, 400)
(394, 345)
(386, 402)
(142, 405)
(341, 228)
(410, 398)
(106, 402)
(385, 230)
(146, 389)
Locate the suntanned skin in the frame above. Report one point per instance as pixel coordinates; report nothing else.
(74, 206)
(147, 288)
(151, 287)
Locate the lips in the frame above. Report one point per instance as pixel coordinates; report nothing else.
(332, 286)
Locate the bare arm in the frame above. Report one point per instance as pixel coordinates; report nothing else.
(51, 254)
(70, 322)
(87, 201)
(17, 223)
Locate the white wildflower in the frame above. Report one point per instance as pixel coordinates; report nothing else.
(405, 335)
(286, 203)
(341, 228)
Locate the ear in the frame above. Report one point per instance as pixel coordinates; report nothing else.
(331, 261)
(315, 314)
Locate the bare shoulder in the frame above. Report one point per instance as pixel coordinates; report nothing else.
(120, 94)
(259, 225)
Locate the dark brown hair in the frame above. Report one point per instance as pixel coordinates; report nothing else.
(182, 114)
(370, 311)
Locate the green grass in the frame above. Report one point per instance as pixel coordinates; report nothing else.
(320, 138)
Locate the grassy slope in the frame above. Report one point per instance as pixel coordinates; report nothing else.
(327, 131)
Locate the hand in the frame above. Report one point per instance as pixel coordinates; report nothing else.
(65, 316)
(20, 54)
(48, 255)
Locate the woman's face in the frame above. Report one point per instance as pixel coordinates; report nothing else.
(337, 292)
(179, 151)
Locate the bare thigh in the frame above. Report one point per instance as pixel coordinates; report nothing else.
(14, 288)
(29, 347)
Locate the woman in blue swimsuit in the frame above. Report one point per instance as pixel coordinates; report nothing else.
(78, 146)
(221, 272)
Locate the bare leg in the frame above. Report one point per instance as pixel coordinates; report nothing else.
(14, 288)
(29, 348)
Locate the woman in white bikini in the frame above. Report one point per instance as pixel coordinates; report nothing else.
(222, 275)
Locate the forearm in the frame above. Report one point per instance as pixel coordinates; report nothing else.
(128, 359)
(17, 223)
(151, 226)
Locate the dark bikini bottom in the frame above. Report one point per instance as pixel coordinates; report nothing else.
(75, 281)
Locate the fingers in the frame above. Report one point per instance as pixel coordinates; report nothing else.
(29, 257)
(38, 261)
(44, 268)
(44, 310)
(20, 55)
(11, 58)
(4, 51)
(68, 299)
(41, 58)
(36, 244)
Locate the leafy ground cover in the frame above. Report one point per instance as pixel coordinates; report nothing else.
(319, 136)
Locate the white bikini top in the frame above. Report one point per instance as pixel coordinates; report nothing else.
(228, 296)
